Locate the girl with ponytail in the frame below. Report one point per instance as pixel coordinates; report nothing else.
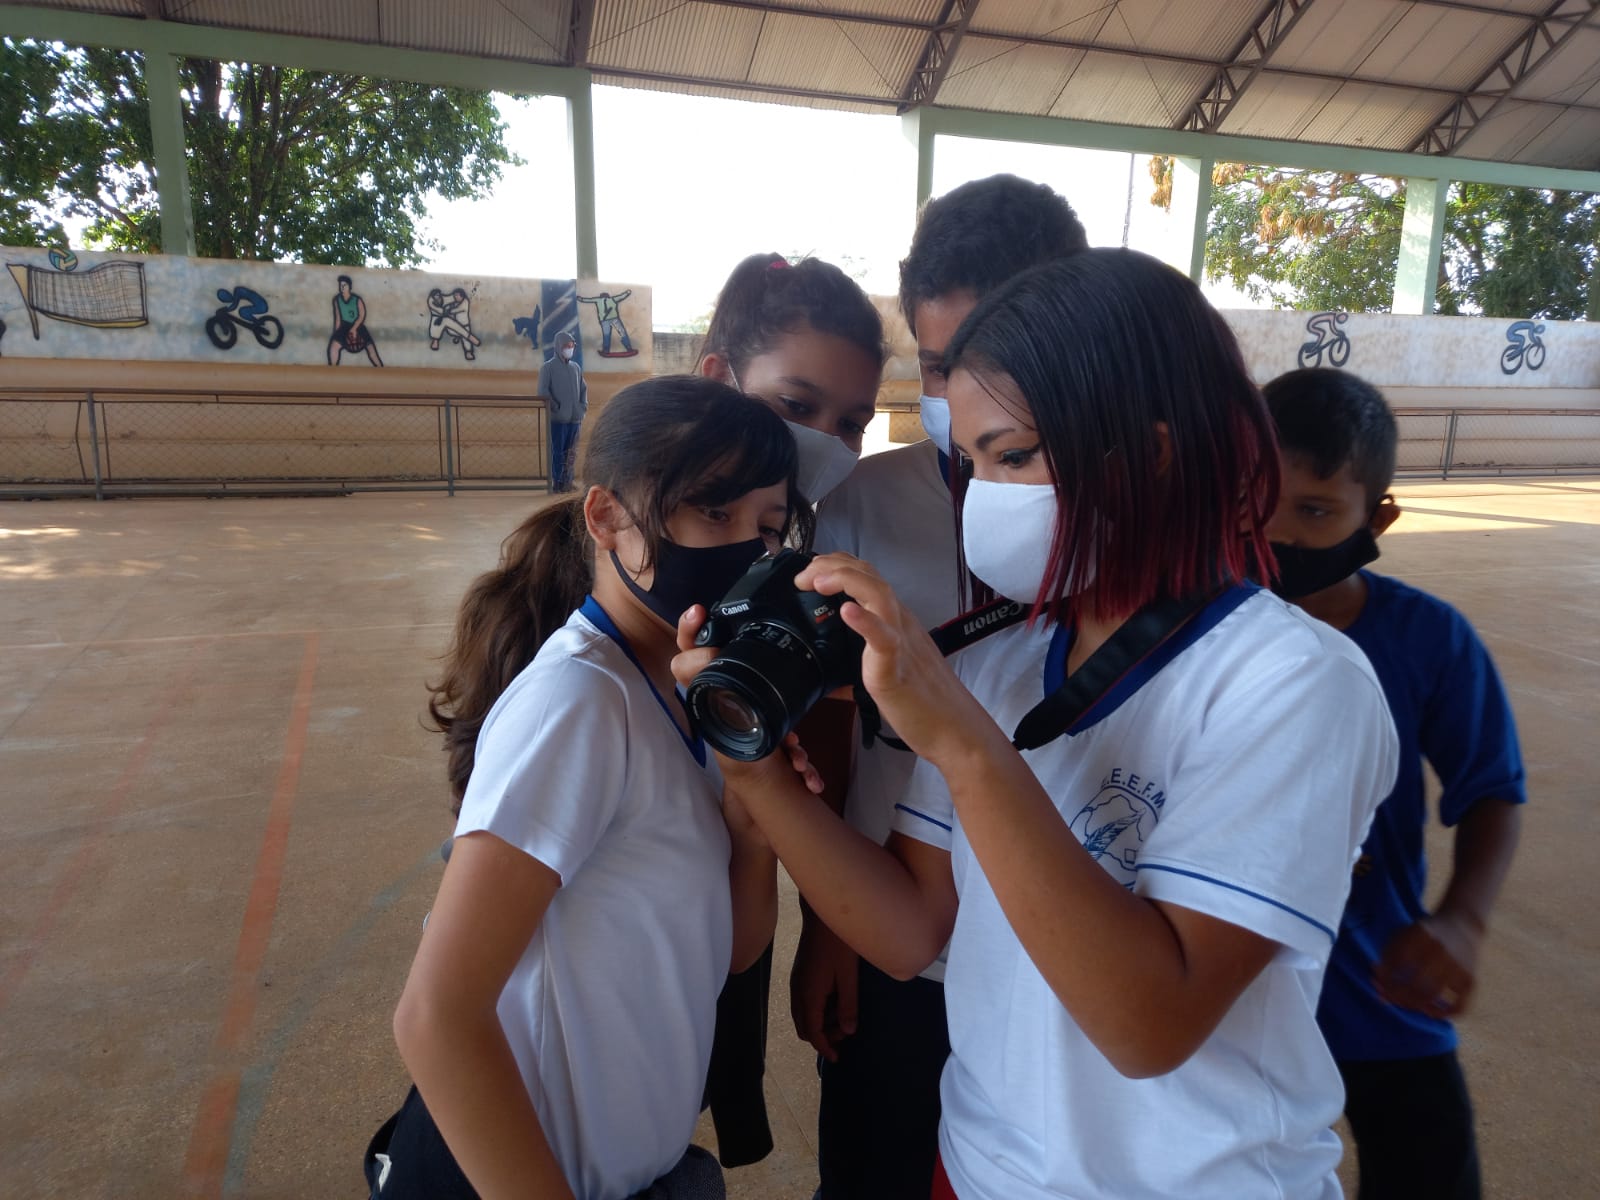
(557, 1021)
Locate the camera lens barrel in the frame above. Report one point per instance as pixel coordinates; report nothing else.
(755, 691)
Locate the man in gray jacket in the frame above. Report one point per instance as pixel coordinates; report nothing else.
(565, 392)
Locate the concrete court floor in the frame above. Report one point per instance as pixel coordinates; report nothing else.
(219, 818)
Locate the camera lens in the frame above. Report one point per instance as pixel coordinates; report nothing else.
(753, 693)
(730, 723)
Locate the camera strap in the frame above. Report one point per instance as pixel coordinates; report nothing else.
(1136, 639)
(957, 634)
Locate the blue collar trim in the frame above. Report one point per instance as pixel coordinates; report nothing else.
(601, 620)
(1207, 619)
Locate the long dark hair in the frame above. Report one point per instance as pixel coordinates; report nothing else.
(767, 296)
(1103, 345)
(659, 444)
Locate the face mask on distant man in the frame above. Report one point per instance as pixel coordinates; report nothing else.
(935, 412)
(567, 352)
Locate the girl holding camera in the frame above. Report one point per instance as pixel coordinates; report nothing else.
(558, 1017)
(1140, 901)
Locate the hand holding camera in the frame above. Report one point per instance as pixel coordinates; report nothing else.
(797, 627)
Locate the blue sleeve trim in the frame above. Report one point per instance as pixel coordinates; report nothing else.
(1233, 887)
(930, 820)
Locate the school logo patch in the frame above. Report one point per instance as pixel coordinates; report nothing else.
(1114, 825)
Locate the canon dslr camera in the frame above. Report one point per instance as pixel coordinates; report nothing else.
(782, 650)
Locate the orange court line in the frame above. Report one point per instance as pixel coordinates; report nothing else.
(99, 825)
(207, 1160)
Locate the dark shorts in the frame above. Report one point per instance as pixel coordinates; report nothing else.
(362, 340)
(878, 1124)
(421, 1167)
(1412, 1123)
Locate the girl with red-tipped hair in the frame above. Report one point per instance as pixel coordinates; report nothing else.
(1143, 783)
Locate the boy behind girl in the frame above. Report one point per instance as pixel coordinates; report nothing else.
(1398, 973)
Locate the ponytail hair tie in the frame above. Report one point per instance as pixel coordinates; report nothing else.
(781, 264)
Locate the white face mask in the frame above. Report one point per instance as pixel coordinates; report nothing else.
(566, 353)
(825, 461)
(936, 421)
(1006, 529)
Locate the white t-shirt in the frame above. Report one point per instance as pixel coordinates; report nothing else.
(1237, 780)
(894, 511)
(610, 1010)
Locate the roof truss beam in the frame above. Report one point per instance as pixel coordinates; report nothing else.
(1543, 37)
(580, 24)
(928, 75)
(1222, 147)
(1271, 27)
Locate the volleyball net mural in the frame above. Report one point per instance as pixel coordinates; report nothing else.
(109, 296)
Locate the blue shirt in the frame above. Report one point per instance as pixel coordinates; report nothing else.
(1449, 708)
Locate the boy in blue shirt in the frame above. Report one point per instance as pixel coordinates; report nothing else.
(1398, 973)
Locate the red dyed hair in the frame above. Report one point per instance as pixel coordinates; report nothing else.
(1103, 347)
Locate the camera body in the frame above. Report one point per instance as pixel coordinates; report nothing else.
(781, 650)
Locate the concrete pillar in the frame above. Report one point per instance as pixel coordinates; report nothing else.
(919, 133)
(171, 162)
(1191, 208)
(580, 135)
(1416, 276)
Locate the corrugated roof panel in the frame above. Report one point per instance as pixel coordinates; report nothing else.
(1081, 20)
(836, 56)
(1316, 110)
(528, 30)
(1361, 114)
(308, 18)
(691, 40)
(1515, 129)
(1102, 89)
(1571, 74)
(1572, 139)
(1006, 76)
(1208, 31)
(920, 12)
(737, 93)
(1420, 44)
(118, 8)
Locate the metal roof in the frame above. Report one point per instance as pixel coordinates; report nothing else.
(1516, 81)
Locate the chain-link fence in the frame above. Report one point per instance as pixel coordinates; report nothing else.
(1449, 442)
(111, 443)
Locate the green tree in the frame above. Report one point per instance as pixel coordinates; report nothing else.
(283, 163)
(1331, 240)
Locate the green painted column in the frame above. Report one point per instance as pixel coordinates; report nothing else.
(919, 133)
(171, 162)
(1190, 212)
(580, 134)
(1416, 276)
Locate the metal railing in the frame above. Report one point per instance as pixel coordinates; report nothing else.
(1476, 442)
(109, 442)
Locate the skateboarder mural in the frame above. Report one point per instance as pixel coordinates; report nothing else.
(608, 310)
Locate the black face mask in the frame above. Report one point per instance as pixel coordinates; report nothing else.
(1302, 571)
(690, 575)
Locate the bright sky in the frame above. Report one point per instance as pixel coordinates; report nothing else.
(688, 185)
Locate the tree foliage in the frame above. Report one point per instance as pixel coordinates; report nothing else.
(1331, 240)
(283, 163)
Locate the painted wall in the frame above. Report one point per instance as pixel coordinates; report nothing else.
(56, 304)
